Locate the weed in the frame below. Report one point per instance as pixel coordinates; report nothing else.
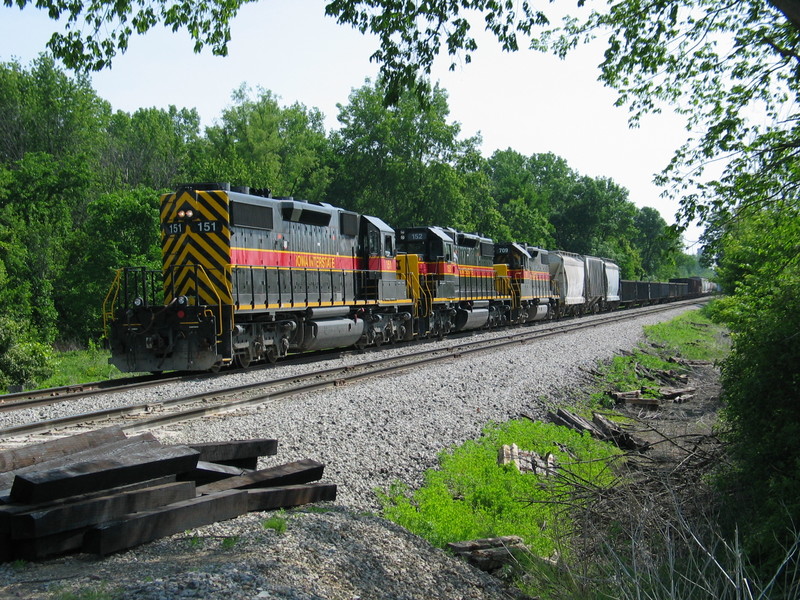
(230, 542)
(692, 335)
(19, 565)
(94, 593)
(276, 522)
(81, 366)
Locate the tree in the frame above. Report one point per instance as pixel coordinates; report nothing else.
(657, 244)
(37, 211)
(523, 203)
(23, 359)
(44, 110)
(403, 163)
(150, 147)
(258, 143)
(126, 223)
(96, 31)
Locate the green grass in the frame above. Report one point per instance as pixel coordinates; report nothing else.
(81, 366)
(277, 523)
(470, 496)
(692, 335)
(101, 592)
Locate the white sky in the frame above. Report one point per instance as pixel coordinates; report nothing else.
(526, 101)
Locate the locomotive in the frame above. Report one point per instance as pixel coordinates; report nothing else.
(247, 277)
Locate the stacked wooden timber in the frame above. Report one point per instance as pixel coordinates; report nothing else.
(599, 427)
(527, 461)
(637, 397)
(102, 491)
(490, 554)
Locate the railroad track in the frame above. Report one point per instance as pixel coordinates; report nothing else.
(148, 415)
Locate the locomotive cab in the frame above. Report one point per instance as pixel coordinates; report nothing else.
(377, 251)
(529, 279)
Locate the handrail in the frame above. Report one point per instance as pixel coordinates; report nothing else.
(108, 313)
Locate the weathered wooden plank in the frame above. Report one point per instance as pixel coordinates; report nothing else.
(140, 463)
(5, 547)
(573, 421)
(231, 453)
(208, 472)
(119, 447)
(289, 495)
(489, 554)
(64, 517)
(150, 525)
(302, 471)
(8, 511)
(58, 543)
(671, 393)
(17, 458)
(614, 433)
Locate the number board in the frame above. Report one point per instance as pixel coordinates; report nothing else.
(179, 228)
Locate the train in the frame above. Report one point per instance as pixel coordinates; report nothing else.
(247, 277)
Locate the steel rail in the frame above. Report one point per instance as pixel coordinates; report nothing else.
(331, 378)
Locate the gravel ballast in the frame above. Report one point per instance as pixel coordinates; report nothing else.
(368, 435)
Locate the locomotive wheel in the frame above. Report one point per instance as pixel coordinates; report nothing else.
(243, 359)
(272, 354)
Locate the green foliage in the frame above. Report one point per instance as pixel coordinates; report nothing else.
(412, 35)
(150, 148)
(80, 366)
(622, 375)
(230, 542)
(263, 145)
(405, 163)
(692, 335)
(42, 109)
(762, 382)
(95, 32)
(100, 592)
(470, 496)
(277, 523)
(23, 360)
(126, 225)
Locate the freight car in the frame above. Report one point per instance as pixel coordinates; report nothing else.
(247, 277)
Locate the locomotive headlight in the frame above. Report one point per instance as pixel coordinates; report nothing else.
(189, 214)
(182, 300)
(181, 213)
(138, 302)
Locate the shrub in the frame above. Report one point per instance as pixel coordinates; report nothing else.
(23, 361)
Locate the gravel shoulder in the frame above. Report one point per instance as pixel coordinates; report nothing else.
(368, 435)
